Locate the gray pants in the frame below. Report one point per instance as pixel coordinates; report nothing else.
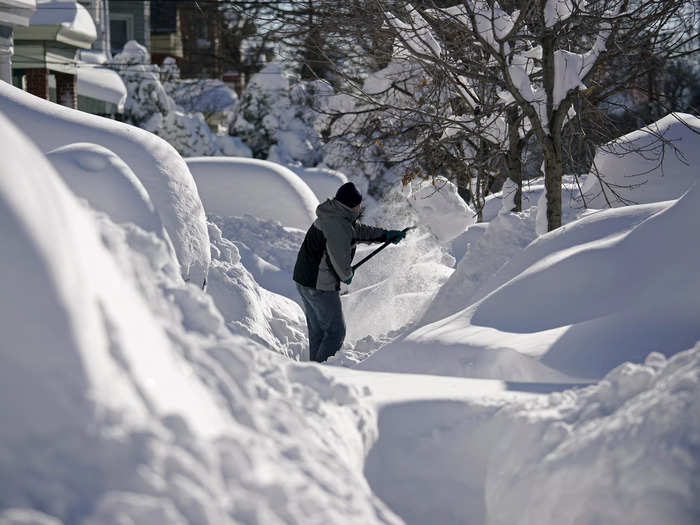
(324, 320)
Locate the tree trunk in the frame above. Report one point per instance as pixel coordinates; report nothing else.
(553, 173)
(513, 158)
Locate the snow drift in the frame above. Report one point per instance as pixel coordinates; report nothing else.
(582, 299)
(130, 399)
(231, 186)
(157, 165)
(656, 163)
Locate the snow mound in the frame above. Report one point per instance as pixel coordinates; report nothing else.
(271, 319)
(440, 208)
(157, 165)
(69, 297)
(491, 248)
(97, 175)
(622, 451)
(324, 182)
(231, 186)
(592, 294)
(656, 163)
(130, 401)
(267, 250)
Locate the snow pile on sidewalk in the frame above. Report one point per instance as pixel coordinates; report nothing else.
(157, 165)
(656, 163)
(267, 249)
(250, 310)
(622, 451)
(130, 399)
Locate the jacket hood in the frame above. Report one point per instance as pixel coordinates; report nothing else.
(333, 208)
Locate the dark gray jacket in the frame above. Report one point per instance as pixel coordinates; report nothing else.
(325, 256)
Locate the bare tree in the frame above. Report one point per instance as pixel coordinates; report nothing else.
(541, 54)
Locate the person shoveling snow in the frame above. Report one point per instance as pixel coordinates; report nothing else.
(325, 259)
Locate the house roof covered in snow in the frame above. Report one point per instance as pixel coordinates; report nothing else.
(16, 12)
(64, 21)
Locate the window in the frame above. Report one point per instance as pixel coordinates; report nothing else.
(121, 30)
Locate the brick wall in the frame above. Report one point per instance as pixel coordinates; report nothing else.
(38, 82)
(66, 90)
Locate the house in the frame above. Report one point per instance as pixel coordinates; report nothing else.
(46, 52)
(12, 13)
(166, 36)
(63, 56)
(129, 20)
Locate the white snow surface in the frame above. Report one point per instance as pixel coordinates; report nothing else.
(234, 186)
(95, 80)
(656, 163)
(324, 182)
(248, 309)
(134, 397)
(580, 300)
(103, 179)
(157, 165)
(132, 402)
(623, 450)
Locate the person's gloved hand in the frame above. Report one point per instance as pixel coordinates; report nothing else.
(349, 280)
(395, 236)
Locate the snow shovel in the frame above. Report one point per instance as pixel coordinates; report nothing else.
(375, 252)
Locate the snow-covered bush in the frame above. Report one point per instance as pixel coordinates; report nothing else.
(440, 208)
(149, 106)
(211, 97)
(275, 119)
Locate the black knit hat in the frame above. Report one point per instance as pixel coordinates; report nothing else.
(347, 194)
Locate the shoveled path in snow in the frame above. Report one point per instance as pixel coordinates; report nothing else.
(430, 458)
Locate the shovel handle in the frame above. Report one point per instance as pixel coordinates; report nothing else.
(375, 252)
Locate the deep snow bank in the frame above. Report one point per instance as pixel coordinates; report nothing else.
(128, 398)
(157, 165)
(608, 288)
(656, 163)
(624, 450)
(267, 249)
(234, 186)
(248, 309)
